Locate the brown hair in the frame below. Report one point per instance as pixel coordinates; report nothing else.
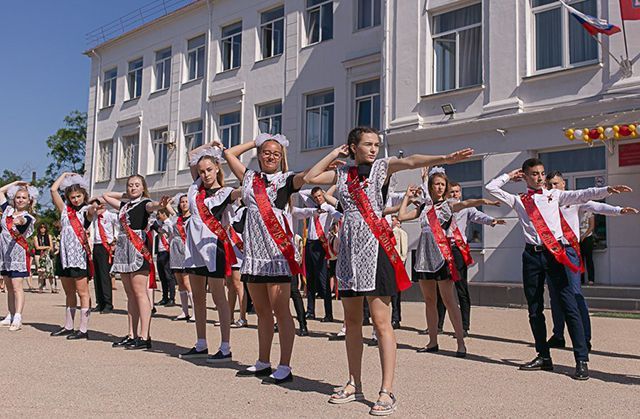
(355, 135)
(145, 190)
(76, 188)
(220, 175)
(453, 183)
(164, 211)
(446, 182)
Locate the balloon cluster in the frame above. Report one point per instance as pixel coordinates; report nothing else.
(588, 135)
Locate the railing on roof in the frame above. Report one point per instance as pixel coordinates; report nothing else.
(132, 20)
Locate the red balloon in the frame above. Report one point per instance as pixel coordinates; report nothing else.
(594, 134)
(625, 131)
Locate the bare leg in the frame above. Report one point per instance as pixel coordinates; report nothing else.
(231, 296)
(216, 286)
(132, 308)
(262, 305)
(69, 287)
(448, 294)
(381, 317)
(353, 339)
(429, 292)
(140, 285)
(11, 296)
(279, 295)
(18, 293)
(200, 305)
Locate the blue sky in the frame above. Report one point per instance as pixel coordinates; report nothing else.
(43, 74)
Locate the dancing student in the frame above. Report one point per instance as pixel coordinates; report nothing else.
(209, 253)
(163, 259)
(570, 219)
(176, 227)
(548, 255)
(75, 253)
(16, 200)
(463, 218)
(133, 259)
(368, 264)
(234, 282)
(270, 254)
(104, 225)
(44, 249)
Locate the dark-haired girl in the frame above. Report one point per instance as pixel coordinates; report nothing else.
(44, 249)
(368, 264)
(133, 259)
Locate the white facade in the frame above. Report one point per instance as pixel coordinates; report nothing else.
(505, 91)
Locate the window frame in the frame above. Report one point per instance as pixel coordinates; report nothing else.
(166, 82)
(456, 31)
(305, 146)
(104, 171)
(110, 100)
(224, 127)
(271, 23)
(270, 118)
(135, 78)
(373, 15)
(229, 41)
(311, 9)
(195, 53)
(158, 143)
(566, 46)
(122, 173)
(184, 163)
(371, 97)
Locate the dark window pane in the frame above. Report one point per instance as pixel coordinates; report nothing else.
(313, 27)
(278, 37)
(470, 72)
(578, 160)
(582, 47)
(270, 15)
(457, 18)
(363, 113)
(368, 88)
(327, 21)
(469, 171)
(364, 14)
(548, 39)
(445, 52)
(231, 29)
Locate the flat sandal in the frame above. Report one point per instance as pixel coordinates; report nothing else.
(342, 396)
(387, 408)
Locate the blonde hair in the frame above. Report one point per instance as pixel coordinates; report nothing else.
(220, 174)
(284, 164)
(145, 189)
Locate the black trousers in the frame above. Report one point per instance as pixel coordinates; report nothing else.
(536, 266)
(102, 278)
(317, 277)
(298, 305)
(586, 250)
(462, 289)
(167, 279)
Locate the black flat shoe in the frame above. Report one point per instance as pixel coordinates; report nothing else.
(170, 303)
(271, 380)
(310, 316)
(461, 354)
(122, 342)
(582, 371)
(78, 335)
(395, 325)
(162, 302)
(96, 309)
(426, 349)
(265, 372)
(139, 343)
(303, 331)
(327, 320)
(555, 342)
(538, 364)
(62, 332)
(153, 311)
(107, 310)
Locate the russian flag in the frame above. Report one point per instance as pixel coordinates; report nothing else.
(593, 25)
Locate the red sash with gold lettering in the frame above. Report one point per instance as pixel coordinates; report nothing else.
(443, 242)
(165, 243)
(277, 233)
(216, 228)
(81, 234)
(378, 226)
(322, 237)
(235, 238)
(573, 239)
(544, 232)
(140, 246)
(463, 246)
(104, 239)
(180, 228)
(20, 239)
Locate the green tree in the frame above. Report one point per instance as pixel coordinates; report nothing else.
(67, 147)
(8, 176)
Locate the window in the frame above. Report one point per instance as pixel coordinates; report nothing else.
(231, 46)
(368, 104)
(230, 129)
(457, 48)
(160, 150)
(469, 175)
(560, 40)
(129, 156)
(105, 159)
(270, 118)
(192, 138)
(319, 120)
(163, 69)
(319, 21)
(195, 57)
(582, 168)
(109, 88)
(272, 32)
(369, 13)
(134, 78)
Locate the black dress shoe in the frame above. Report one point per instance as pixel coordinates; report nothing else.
(589, 346)
(62, 332)
(461, 354)
(395, 325)
(539, 363)
(303, 331)
(265, 372)
(271, 380)
(139, 343)
(555, 342)
(162, 302)
(78, 335)
(426, 349)
(122, 342)
(275, 328)
(153, 311)
(170, 303)
(582, 371)
(310, 316)
(327, 320)
(97, 309)
(366, 322)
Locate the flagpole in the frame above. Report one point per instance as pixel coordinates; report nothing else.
(624, 34)
(609, 52)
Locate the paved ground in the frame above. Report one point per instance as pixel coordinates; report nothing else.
(53, 377)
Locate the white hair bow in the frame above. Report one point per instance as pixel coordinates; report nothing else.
(264, 137)
(31, 190)
(436, 169)
(214, 152)
(74, 179)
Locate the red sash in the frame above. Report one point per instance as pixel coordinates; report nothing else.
(322, 237)
(140, 246)
(81, 234)
(379, 227)
(277, 233)
(165, 243)
(235, 238)
(463, 246)
(544, 232)
(180, 228)
(21, 240)
(216, 228)
(573, 239)
(443, 242)
(104, 239)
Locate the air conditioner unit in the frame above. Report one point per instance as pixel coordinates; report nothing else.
(169, 138)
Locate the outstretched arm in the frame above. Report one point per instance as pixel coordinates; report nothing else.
(232, 156)
(468, 203)
(421, 160)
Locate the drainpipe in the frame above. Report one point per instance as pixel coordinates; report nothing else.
(95, 124)
(386, 57)
(207, 109)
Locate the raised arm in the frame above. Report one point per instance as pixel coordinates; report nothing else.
(495, 186)
(194, 168)
(5, 188)
(114, 198)
(169, 207)
(320, 174)
(232, 156)
(422, 160)
(404, 213)
(55, 194)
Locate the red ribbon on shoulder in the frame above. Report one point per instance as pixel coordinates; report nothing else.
(322, 237)
(277, 233)
(165, 243)
(141, 247)
(572, 238)
(443, 243)
(216, 228)
(463, 246)
(21, 240)
(103, 238)
(235, 238)
(378, 226)
(544, 232)
(81, 234)
(180, 228)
